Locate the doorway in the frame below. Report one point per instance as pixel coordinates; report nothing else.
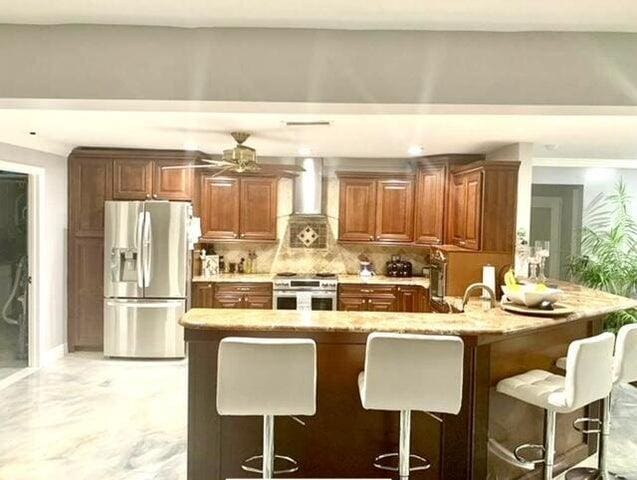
(14, 272)
(556, 215)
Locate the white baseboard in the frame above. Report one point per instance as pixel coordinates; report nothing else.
(53, 355)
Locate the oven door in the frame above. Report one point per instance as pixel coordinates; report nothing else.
(304, 300)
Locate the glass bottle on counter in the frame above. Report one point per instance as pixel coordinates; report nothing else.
(222, 264)
(241, 266)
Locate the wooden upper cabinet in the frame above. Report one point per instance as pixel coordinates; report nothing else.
(473, 210)
(90, 185)
(132, 179)
(219, 207)
(172, 184)
(357, 209)
(457, 219)
(258, 203)
(429, 208)
(394, 211)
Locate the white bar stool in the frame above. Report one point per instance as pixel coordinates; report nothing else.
(411, 372)
(267, 377)
(624, 371)
(588, 379)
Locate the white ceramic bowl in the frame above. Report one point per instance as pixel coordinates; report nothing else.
(528, 296)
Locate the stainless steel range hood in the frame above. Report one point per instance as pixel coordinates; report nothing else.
(308, 188)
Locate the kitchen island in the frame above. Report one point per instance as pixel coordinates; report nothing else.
(341, 440)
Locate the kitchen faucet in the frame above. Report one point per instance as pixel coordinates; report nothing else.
(486, 288)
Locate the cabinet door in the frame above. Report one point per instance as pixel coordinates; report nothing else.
(385, 303)
(219, 208)
(132, 179)
(394, 211)
(260, 302)
(228, 301)
(410, 299)
(86, 293)
(352, 303)
(473, 209)
(202, 295)
(258, 208)
(90, 185)
(457, 209)
(357, 210)
(172, 184)
(429, 205)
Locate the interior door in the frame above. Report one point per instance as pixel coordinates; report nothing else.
(165, 249)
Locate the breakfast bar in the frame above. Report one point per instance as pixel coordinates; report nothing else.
(341, 440)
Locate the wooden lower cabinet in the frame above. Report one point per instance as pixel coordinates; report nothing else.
(203, 295)
(382, 298)
(232, 295)
(86, 294)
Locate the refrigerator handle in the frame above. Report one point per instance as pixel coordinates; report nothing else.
(147, 246)
(139, 247)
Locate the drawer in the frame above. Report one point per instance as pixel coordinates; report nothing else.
(244, 288)
(358, 289)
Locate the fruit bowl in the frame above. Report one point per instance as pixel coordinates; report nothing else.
(531, 295)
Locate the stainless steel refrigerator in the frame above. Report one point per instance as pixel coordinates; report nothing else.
(145, 278)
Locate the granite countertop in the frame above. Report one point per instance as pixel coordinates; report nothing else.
(474, 321)
(237, 277)
(344, 278)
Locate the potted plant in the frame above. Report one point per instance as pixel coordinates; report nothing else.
(608, 257)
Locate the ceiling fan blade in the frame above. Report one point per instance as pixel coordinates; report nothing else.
(191, 167)
(280, 167)
(220, 172)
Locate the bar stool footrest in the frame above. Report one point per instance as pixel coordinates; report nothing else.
(247, 468)
(579, 425)
(424, 463)
(529, 446)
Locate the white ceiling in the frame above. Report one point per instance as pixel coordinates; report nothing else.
(362, 135)
(493, 15)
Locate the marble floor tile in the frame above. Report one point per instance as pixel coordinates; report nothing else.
(90, 418)
(86, 417)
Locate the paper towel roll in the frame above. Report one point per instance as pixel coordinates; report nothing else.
(488, 278)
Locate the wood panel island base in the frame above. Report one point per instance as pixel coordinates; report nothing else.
(342, 439)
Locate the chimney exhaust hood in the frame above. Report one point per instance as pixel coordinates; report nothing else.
(308, 187)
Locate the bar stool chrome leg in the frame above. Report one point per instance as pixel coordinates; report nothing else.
(599, 473)
(268, 446)
(549, 444)
(404, 454)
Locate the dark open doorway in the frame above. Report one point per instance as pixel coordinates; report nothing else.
(14, 272)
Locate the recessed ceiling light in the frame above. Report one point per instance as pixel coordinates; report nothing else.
(305, 151)
(191, 146)
(551, 147)
(415, 150)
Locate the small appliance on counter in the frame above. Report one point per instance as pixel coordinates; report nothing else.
(398, 268)
(366, 267)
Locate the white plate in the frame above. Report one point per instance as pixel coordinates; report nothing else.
(559, 309)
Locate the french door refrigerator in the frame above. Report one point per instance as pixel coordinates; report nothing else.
(145, 278)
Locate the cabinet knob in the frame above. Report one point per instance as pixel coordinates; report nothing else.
(371, 237)
(154, 195)
(148, 195)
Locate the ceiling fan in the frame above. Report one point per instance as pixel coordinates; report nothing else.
(240, 159)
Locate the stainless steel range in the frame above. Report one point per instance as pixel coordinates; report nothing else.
(305, 292)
